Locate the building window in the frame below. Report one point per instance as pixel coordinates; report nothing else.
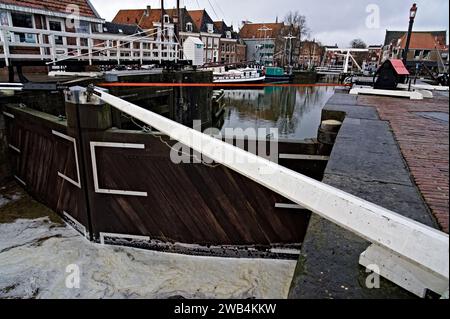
(189, 27)
(83, 27)
(54, 25)
(228, 34)
(417, 54)
(21, 20)
(166, 19)
(210, 28)
(4, 18)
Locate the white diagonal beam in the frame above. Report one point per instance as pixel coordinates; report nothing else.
(426, 247)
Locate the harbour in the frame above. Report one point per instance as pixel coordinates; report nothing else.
(147, 159)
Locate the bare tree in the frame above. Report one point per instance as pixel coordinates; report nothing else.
(295, 25)
(358, 44)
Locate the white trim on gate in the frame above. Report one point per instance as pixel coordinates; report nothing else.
(72, 140)
(20, 180)
(288, 206)
(95, 171)
(14, 148)
(82, 228)
(122, 236)
(8, 114)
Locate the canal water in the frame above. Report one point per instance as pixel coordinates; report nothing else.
(295, 111)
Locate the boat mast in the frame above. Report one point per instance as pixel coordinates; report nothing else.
(289, 37)
(162, 20)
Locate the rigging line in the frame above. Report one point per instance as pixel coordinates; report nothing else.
(148, 130)
(123, 38)
(214, 10)
(105, 49)
(220, 9)
(198, 4)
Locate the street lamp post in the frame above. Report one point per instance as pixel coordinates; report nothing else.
(412, 16)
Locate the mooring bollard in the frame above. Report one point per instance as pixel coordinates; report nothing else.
(328, 131)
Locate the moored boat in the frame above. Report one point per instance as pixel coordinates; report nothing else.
(247, 75)
(277, 75)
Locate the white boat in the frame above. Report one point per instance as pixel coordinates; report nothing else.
(247, 75)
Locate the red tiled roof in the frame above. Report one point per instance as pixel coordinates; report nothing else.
(251, 30)
(55, 5)
(142, 17)
(399, 67)
(129, 16)
(220, 26)
(197, 17)
(422, 40)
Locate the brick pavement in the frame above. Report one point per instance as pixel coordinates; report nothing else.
(424, 143)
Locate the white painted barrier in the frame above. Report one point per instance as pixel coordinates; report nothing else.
(391, 93)
(417, 245)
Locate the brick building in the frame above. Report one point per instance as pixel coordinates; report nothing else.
(261, 40)
(427, 47)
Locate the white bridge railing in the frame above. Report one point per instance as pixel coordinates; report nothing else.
(53, 46)
(330, 69)
(410, 254)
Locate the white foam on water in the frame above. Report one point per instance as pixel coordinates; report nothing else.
(34, 255)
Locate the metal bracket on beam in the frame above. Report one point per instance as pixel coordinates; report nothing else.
(81, 95)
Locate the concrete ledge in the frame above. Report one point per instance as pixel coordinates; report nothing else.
(365, 162)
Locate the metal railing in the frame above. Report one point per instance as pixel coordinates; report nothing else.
(54, 46)
(330, 69)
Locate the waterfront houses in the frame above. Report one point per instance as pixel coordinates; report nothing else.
(311, 54)
(373, 58)
(261, 41)
(149, 19)
(195, 23)
(46, 15)
(426, 47)
(228, 43)
(209, 35)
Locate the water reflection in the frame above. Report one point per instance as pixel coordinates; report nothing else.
(296, 112)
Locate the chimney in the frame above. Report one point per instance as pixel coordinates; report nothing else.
(148, 10)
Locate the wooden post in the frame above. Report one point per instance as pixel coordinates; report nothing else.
(86, 115)
(90, 45)
(5, 40)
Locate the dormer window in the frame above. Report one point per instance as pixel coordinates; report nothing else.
(166, 19)
(189, 27)
(210, 28)
(228, 34)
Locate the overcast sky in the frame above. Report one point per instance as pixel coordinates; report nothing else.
(330, 21)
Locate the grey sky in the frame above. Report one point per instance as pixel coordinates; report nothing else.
(331, 21)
